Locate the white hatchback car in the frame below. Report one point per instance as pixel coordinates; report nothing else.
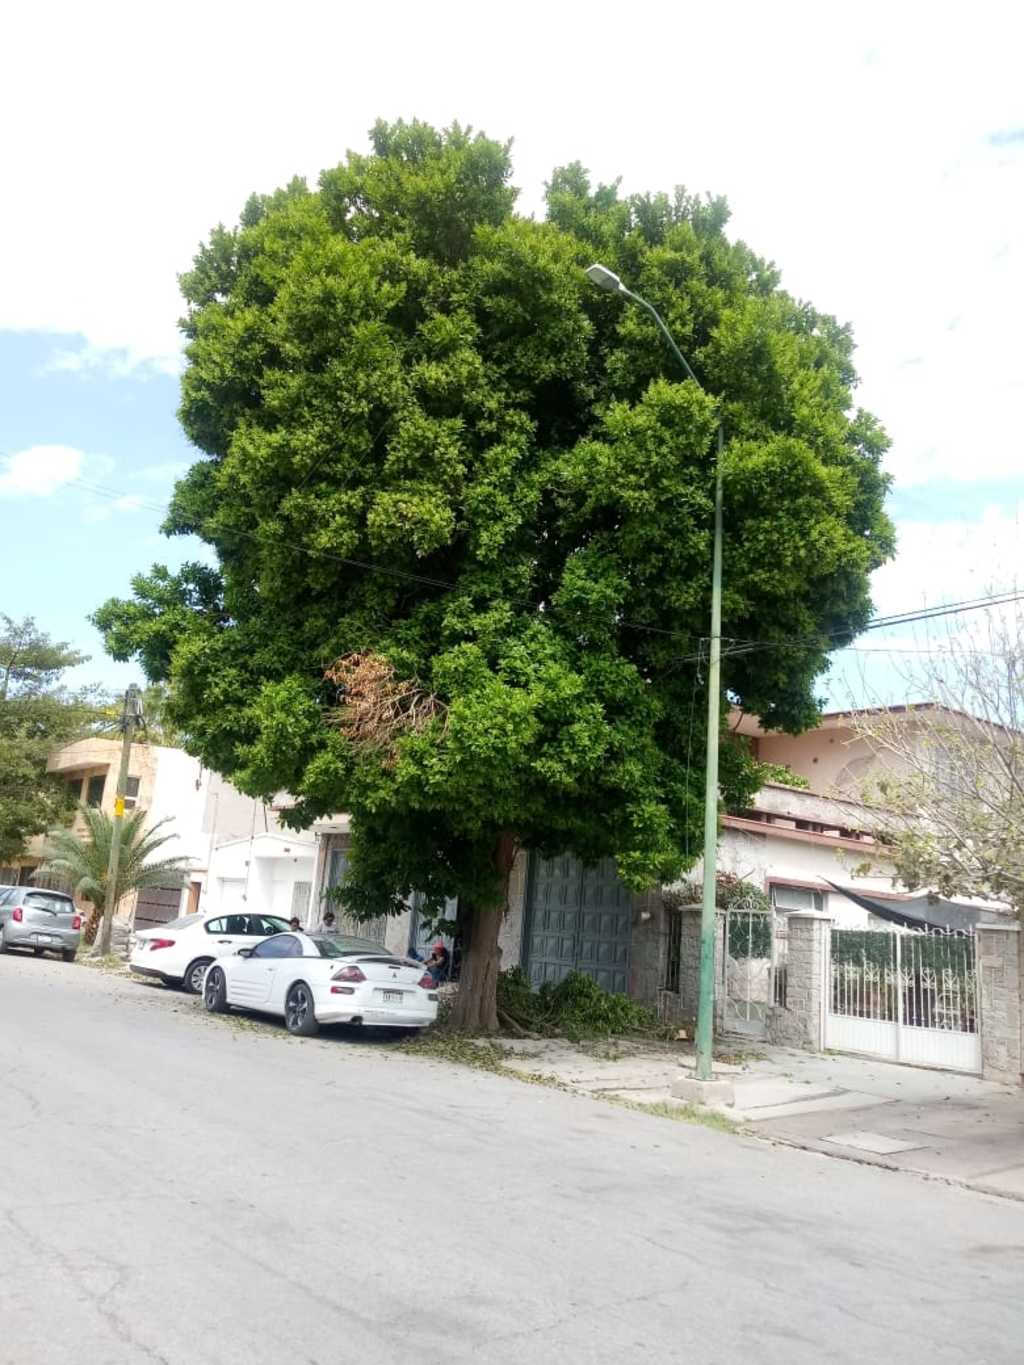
(180, 952)
(314, 979)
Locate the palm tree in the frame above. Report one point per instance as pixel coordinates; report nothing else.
(83, 860)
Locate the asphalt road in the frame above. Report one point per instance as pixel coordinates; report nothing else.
(190, 1190)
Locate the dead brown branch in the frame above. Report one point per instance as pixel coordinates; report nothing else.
(376, 709)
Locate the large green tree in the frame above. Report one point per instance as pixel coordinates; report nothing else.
(37, 715)
(433, 454)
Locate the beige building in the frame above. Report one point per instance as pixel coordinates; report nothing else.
(202, 809)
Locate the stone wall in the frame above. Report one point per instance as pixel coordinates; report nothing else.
(681, 1005)
(999, 989)
(649, 946)
(798, 1022)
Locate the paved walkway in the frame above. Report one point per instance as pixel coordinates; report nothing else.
(935, 1123)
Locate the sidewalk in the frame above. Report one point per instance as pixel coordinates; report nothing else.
(935, 1123)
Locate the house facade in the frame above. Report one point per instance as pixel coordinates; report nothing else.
(809, 849)
(202, 809)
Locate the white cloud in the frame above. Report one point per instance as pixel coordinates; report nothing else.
(859, 148)
(119, 361)
(103, 511)
(39, 471)
(952, 561)
(937, 563)
(167, 472)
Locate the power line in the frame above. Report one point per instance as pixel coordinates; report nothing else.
(740, 646)
(368, 565)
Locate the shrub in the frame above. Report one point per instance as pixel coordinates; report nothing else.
(576, 1007)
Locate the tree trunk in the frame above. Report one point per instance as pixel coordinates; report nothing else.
(92, 924)
(476, 1004)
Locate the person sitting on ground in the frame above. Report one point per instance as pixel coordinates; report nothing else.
(328, 926)
(437, 963)
(295, 924)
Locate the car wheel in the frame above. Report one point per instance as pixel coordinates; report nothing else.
(299, 1016)
(192, 981)
(3, 940)
(215, 992)
(69, 954)
(39, 952)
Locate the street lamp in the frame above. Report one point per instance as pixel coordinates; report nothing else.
(607, 280)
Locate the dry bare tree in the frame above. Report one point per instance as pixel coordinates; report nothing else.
(948, 774)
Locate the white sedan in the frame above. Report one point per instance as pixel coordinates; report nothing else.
(179, 953)
(314, 979)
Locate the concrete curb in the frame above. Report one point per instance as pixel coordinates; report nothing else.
(877, 1162)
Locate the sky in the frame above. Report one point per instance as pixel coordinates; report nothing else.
(875, 153)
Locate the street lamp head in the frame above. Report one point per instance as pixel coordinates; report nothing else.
(605, 279)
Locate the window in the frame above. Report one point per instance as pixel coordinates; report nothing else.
(237, 924)
(787, 899)
(300, 899)
(217, 926)
(131, 793)
(53, 903)
(350, 947)
(94, 790)
(281, 945)
(75, 788)
(261, 926)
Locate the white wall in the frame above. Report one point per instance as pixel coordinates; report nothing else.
(175, 795)
(268, 865)
(763, 858)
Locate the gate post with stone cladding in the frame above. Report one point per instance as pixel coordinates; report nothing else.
(999, 999)
(684, 1004)
(800, 1021)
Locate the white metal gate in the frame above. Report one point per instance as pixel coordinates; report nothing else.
(906, 995)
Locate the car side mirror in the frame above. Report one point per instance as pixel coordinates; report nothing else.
(245, 952)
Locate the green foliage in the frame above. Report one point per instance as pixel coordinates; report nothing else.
(395, 370)
(731, 893)
(877, 948)
(781, 774)
(83, 859)
(575, 1008)
(37, 715)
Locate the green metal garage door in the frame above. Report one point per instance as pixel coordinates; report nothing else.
(577, 919)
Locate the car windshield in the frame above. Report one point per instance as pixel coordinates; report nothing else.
(341, 946)
(49, 900)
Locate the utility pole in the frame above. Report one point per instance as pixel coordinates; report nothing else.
(704, 1040)
(131, 719)
(607, 280)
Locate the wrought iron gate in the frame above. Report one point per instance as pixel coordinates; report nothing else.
(904, 994)
(747, 970)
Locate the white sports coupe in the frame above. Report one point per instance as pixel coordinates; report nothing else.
(314, 979)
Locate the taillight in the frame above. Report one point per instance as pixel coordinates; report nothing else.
(155, 943)
(343, 990)
(349, 973)
(76, 921)
(17, 914)
(427, 982)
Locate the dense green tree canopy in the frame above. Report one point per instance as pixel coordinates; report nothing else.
(425, 436)
(37, 715)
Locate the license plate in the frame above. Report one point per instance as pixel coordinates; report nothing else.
(391, 997)
(45, 938)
